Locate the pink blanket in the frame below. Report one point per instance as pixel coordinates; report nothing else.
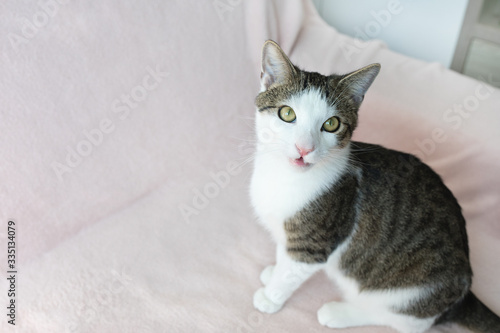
(126, 134)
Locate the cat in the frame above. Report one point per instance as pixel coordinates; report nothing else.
(379, 222)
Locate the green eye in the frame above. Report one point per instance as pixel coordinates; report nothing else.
(287, 114)
(331, 125)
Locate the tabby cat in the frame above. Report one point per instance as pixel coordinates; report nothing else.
(380, 223)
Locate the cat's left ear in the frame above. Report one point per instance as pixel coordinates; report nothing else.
(358, 82)
(276, 67)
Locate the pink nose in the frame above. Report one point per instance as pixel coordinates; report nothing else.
(304, 151)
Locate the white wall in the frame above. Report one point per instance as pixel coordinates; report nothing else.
(424, 29)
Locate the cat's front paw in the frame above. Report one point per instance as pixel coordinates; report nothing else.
(262, 303)
(266, 274)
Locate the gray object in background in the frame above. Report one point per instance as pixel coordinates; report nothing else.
(478, 48)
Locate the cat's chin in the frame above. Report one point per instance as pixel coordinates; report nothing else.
(299, 163)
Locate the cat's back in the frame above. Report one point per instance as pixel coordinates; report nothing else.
(399, 178)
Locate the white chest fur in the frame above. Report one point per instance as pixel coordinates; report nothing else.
(278, 190)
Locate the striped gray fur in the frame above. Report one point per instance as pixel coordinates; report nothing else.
(407, 229)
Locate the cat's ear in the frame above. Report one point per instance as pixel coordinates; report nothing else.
(357, 83)
(276, 67)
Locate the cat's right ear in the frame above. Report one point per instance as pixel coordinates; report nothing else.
(276, 67)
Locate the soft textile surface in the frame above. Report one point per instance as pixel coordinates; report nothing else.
(116, 117)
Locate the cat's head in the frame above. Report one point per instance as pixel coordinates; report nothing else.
(304, 117)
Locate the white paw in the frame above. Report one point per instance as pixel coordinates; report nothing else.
(335, 315)
(262, 303)
(266, 274)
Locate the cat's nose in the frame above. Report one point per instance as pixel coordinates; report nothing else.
(304, 151)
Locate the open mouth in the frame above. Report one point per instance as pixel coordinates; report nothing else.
(299, 162)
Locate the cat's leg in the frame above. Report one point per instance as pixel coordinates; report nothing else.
(344, 315)
(282, 281)
(266, 274)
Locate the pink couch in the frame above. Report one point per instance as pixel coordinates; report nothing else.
(126, 134)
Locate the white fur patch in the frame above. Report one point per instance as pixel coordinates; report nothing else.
(279, 189)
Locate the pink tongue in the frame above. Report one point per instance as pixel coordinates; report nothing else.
(299, 161)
